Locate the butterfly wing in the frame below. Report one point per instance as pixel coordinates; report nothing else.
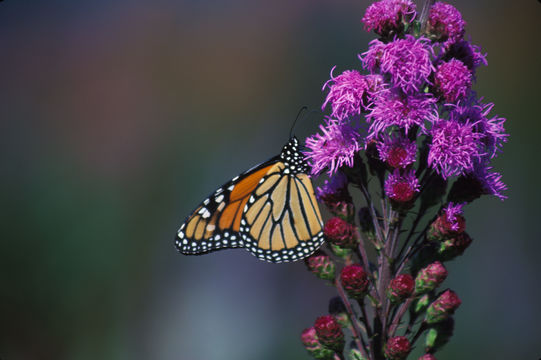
(282, 221)
(215, 223)
(270, 210)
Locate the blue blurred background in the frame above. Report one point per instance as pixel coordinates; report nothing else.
(118, 117)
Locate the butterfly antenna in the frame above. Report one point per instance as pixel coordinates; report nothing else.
(306, 115)
(302, 109)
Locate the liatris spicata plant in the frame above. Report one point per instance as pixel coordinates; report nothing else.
(408, 132)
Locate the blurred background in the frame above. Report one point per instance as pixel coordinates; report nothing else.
(118, 117)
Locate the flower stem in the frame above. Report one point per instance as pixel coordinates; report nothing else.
(398, 316)
(357, 333)
(424, 13)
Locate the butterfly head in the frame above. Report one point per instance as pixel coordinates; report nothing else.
(293, 158)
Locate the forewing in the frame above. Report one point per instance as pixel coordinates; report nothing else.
(216, 222)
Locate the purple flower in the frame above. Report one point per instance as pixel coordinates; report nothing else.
(397, 151)
(401, 188)
(337, 184)
(405, 111)
(455, 147)
(453, 80)
(492, 130)
(452, 213)
(386, 16)
(491, 182)
(469, 54)
(445, 23)
(335, 148)
(371, 59)
(350, 92)
(406, 61)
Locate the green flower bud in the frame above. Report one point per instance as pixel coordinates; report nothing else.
(430, 278)
(439, 335)
(321, 265)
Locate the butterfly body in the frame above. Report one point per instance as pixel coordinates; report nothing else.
(270, 210)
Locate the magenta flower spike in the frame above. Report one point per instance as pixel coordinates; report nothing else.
(411, 139)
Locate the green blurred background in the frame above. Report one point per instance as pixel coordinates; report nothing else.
(118, 117)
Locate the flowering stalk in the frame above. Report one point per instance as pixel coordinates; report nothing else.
(407, 131)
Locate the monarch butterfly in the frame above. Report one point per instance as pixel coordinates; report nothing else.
(270, 210)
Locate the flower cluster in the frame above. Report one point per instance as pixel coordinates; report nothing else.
(406, 128)
(411, 93)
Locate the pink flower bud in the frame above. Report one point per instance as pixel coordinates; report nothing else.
(430, 277)
(354, 280)
(341, 233)
(428, 357)
(444, 227)
(397, 348)
(321, 265)
(313, 346)
(329, 333)
(400, 288)
(442, 307)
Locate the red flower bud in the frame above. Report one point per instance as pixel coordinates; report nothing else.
(442, 228)
(428, 357)
(321, 265)
(455, 246)
(397, 348)
(313, 346)
(400, 288)
(329, 333)
(337, 308)
(430, 277)
(442, 307)
(354, 280)
(341, 233)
